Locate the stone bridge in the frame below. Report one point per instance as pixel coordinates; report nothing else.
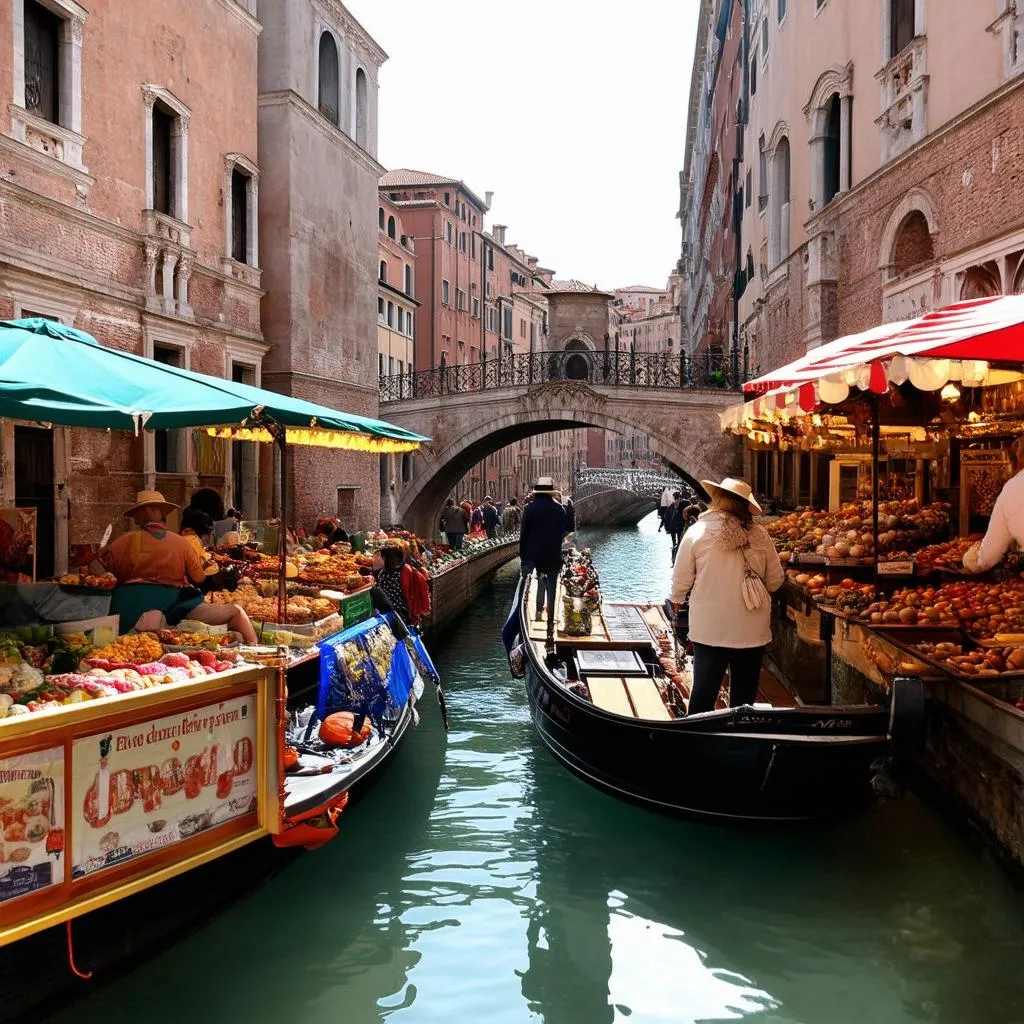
(465, 426)
(621, 497)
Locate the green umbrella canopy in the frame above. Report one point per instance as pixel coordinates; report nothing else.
(53, 373)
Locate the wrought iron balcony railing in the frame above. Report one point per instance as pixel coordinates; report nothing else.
(624, 369)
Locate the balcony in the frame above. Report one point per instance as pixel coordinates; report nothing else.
(903, 119)
(169, 262)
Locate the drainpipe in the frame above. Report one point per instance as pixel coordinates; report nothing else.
(737, 210)
(434, 303)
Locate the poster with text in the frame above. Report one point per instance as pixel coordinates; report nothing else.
(31, 822)
(153, 784)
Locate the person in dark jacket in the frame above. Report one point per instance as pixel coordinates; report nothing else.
(540, 545)
(491, 517)
(674, 522)
(453, 524)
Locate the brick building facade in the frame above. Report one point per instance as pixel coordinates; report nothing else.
(128, 197)
(881, 165)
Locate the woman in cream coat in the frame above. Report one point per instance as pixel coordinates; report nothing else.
(710, 566)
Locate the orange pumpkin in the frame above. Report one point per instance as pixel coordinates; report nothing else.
(291, 758)
(339, 730)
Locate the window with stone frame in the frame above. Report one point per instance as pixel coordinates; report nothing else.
(163, 119)
(168, 443)
(42, 61)
(240, 184)
(901, 25)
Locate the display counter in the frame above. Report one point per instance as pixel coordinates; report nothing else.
(106, 797)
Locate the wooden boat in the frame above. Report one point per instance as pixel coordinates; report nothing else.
(604, 706)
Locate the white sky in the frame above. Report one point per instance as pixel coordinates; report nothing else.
(571, 112)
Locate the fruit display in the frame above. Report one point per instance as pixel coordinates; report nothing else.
(986, 483)
(84, 579)
(298, 610)
(977, 662)
(442, 561)
(847, 533)
(945, 555)
(132, 649)
(984, 610)
(180, 638)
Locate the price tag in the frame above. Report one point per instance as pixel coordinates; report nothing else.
(905, 568)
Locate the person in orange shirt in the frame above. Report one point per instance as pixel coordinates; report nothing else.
(158, 573)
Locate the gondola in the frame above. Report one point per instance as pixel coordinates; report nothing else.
(606, 708)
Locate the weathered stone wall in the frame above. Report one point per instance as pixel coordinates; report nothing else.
(683, 427)
(453, 591)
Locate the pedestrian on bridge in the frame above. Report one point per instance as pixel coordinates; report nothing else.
(512, 516)
(490, 517)
(674, 522)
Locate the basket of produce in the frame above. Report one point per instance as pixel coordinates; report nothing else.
(82, 581)
(179, 640)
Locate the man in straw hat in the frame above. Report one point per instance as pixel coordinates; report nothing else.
(729, 627)
(158, 573)
(540, 545)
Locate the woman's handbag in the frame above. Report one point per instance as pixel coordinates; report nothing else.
(755, 593)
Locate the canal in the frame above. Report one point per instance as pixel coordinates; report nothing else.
(479, 882)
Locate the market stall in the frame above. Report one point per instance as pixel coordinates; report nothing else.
(876, 586)
(145, 756)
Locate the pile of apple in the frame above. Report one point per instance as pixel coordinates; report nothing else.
(946, 554)
(813, 583)
(847, 533)
(982, 609)
(979, 662)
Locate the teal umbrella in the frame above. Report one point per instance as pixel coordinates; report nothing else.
(56, 374)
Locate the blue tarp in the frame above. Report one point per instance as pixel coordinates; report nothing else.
(364, 669)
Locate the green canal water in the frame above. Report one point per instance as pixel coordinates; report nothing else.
(479, 882)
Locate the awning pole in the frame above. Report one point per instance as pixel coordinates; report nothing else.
(282, 544)
(876, 432)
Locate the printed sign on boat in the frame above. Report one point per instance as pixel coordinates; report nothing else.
(31, 821)
(153, 784)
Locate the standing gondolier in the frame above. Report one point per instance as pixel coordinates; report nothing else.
(540, 545)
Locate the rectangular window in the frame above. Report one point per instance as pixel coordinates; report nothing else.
(240, 184)
(506, 322)
(391, 364)
(42, 61)
(522, 328)
(472, 245)
(462, 241)
(167, 441)
(163, 159)
(762, 176)
(490, 258)
(380, 365)
(460, 299)
(782, 9)
(447, 199)
(901, 24)
(446, 293)
(448, 231)
(764, 38)
(753, 73)
(476, 307)
(380, 308)
(750, 186)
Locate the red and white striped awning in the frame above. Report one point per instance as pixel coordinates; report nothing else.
(956, 343)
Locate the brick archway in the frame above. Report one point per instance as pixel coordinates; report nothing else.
(466, 428)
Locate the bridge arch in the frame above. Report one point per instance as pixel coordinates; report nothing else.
(467, 428)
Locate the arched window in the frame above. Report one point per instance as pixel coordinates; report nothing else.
(328, 89)
(380, 217)
(833, 154)
(391, 227)
(913, 247)
(408, 279)
(383, 272)
(778, 245)
(362, 126)
(981, 282)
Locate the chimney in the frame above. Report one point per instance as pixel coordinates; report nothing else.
(499, 233)
(488, 199)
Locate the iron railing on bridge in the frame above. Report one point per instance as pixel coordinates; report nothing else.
(630, 369)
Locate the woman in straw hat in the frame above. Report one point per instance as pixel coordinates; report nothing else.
(158, 573)
(711, 566)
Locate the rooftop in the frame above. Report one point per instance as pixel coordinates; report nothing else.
(407, 177)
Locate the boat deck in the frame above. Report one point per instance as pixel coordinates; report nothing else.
(632, 696)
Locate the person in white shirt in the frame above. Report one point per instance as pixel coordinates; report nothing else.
(1006, 524)
(710, 567)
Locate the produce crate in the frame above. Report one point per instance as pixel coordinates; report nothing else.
(906, 639)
